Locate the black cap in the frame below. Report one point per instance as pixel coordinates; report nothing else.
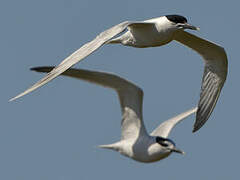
(176, 18)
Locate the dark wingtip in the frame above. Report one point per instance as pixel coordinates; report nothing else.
(36, 68)
(33, 68)
(195, 129)
(42, 68)
(197, 125)
(200, 121)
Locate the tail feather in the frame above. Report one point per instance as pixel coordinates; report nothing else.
(113, 146)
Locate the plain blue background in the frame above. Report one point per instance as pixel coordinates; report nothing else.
(53, 133)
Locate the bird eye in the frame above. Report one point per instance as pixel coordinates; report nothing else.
(164, 144)
(161, 141)
(179, 25)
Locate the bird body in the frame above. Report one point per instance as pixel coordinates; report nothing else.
(143, 149)
(160, 31)
(135, 142)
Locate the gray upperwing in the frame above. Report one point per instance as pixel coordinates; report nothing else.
(214, 76)
(130, 97)
(165, 128)
(80, 54)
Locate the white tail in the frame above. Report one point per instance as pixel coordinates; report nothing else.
(114, 146)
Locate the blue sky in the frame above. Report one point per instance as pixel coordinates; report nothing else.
(53, 132)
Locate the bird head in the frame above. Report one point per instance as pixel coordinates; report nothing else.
(168, 144)
(181, 22)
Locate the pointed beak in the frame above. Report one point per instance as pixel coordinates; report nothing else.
(188, 26)
(177, 150)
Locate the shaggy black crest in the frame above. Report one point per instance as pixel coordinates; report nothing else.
(176, 18)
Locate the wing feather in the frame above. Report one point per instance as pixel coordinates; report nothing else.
(80, 54)
(214, 76)
(165, 128)
(130, 96)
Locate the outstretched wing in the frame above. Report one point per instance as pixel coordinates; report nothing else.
(214, 76)
(80, 54)
(165, 128)
(130, 97)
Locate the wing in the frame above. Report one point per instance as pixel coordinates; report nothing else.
(214, 76)
(80, 54)
(165, 128)
(130, 96)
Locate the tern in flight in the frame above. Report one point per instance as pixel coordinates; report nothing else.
(135, 142)
(157, 32)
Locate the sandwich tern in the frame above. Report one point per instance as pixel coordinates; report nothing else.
(135, 142)
(157, 32)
